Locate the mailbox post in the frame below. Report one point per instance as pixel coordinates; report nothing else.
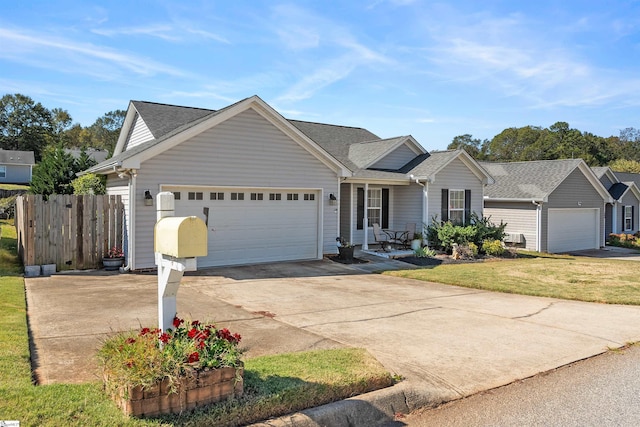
(177, 243)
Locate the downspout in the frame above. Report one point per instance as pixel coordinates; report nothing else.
(365, 222)
(538, 225)
(132, 174)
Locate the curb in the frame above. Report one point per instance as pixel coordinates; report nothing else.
(369, 409)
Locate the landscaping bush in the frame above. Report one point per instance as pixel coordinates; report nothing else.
(624, 240)
(493, 247)
(442, 235)
(425, 252)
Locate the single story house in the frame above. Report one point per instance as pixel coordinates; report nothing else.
(548, 205)
(622, 215)
(16, 167)
(272, 189)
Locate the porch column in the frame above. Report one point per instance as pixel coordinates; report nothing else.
(614, 217)
(365, 223)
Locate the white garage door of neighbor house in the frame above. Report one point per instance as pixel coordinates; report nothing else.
(573, 229)
(249, 225)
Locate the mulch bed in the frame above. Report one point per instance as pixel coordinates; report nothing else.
(437, 260)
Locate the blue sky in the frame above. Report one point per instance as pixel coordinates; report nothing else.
(396, 67)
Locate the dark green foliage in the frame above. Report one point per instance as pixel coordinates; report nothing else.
(54, 173)
(558, 141)
(442, 235)
(24, 125)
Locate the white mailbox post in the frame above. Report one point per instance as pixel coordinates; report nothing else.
(177, 243)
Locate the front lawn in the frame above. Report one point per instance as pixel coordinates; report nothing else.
(557, 276)
(274, 385)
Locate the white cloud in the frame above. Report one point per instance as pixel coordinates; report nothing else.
(161, 31)
(64, 55)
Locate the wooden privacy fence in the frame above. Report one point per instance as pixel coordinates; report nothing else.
(73, 232)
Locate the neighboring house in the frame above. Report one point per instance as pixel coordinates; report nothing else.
(623, 213)
(272, 189)
(93, 153)
(548, 205)
(16, 167)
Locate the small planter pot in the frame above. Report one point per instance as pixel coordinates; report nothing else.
(198, 389)
(416, 244)
(346, 253)
(112, 264)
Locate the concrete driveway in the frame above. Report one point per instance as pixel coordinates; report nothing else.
(447, 341)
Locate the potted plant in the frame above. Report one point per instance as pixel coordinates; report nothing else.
(114, 258)
(416, 242)
(345, 249)
(152, 372)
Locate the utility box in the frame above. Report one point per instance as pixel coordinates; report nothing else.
(181, 237)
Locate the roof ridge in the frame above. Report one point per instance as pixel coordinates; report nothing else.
(531, 161)
(328, 124)
(164, 104)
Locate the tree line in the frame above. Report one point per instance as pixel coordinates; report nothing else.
(558, 141)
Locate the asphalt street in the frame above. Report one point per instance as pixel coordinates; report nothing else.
(600, 391)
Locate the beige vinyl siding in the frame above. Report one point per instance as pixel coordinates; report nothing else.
(455, 176)
(575, 192)
(396, 159)
(117, 186)
(519, 217)
(139, 133)
(407, 207)
(245, 151)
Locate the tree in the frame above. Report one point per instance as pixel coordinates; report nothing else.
(54, 173)
(24, 124)
(623, 165)
(473, 146)
(89, 184)
(106, 130)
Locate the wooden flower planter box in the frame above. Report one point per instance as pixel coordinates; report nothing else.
(202, 388)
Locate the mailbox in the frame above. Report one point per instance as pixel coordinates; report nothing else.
(181, 237)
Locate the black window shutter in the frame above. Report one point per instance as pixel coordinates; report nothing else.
(633, 218)
(385, 208)
(444, 210)
(467, 206)
(360, 208)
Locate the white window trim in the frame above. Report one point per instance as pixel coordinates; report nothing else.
(628, 216)
(374, 208)
(449, 209)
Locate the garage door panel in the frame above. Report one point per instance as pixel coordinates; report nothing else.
(253, 231)
(573, 229)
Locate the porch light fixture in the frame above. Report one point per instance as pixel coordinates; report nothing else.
(148, 199)
(332, 199)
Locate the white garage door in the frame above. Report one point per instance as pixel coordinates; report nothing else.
(573, 229)
(248, 225)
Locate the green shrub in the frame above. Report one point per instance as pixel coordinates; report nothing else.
(442, 235)
(624, 240)
(425, 252)
(89, 184)
(473, 248)
(493, 247)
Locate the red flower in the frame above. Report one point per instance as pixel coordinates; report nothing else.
(194, 357)
(165, 338)
(177, 322)
(192, 333)
(237, 337)
(195, 323)
(201, 345)
(130, 340)
(144, 331)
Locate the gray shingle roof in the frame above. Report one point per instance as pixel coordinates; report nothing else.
(432, 164)
(336, 140)
(164, 118)
(527, 180)
(362, 154)
(628, 176)
(618, 189)
(14, 157)
(599, 170)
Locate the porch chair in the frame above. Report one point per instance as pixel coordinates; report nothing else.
(408, 235)
(381, 237)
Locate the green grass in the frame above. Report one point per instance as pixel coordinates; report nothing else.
(13, 187)
(558, 276)
(274, 385)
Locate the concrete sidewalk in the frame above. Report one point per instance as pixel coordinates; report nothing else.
(447, 342)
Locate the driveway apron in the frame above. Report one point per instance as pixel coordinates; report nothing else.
(449, 340)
